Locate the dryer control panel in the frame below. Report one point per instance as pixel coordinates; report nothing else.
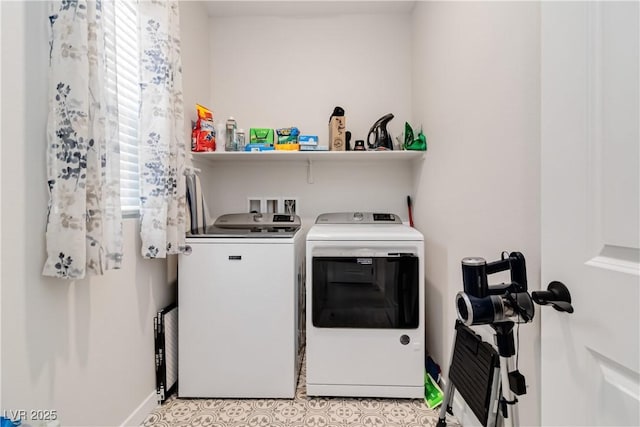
(358, 218)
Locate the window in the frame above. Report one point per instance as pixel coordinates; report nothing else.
(122, 51)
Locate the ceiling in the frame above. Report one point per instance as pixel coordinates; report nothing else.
(220, 8)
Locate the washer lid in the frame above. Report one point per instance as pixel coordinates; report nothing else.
(358, 218)
(250, 225)
(363, 232)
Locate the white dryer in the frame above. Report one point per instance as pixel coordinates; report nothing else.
(365, 306)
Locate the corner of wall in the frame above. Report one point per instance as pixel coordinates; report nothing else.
(139, 414)
(476, 91)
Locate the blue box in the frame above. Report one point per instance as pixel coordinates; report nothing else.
(258, 147)
(308, 139)
(313, 148)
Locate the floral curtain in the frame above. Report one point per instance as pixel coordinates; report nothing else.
(162, 150)
(84, 224)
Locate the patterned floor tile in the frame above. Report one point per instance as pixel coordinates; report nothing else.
(302, 411)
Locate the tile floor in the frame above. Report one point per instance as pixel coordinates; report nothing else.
(303, 410)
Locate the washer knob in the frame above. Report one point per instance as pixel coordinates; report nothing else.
(358, 216)
(257, 217)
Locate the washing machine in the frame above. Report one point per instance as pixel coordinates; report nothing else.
(241, 299)
(365, 306)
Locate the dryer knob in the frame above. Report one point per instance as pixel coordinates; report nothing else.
(358, 216)
(257, 217)
(404, 339)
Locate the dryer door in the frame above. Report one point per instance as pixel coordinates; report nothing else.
(379, 292)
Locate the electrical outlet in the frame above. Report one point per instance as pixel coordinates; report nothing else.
(290, 206)
(254, 204)
(265, 204)
(271, 205)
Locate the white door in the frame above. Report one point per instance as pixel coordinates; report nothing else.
(590, 216)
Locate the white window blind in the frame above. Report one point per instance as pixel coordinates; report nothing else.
(122, 49)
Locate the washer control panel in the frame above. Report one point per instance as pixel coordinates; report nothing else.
(261, 220)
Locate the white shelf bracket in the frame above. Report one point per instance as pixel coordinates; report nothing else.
(309, 171)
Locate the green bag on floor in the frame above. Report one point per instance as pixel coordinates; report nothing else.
(433, 395)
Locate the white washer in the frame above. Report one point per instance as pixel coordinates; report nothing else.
(365, 307)
(241, 295)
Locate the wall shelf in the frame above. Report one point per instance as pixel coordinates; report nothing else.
(307, 156)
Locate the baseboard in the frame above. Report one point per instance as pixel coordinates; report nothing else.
(460, 409)
(463, 413)
(458, 406)
(140, 413)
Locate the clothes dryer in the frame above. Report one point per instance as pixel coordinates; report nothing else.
(365, 306)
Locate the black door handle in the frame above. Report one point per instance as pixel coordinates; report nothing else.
(557, 295)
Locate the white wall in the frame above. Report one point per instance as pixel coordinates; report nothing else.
(196, 76)
(342, 186)
(280, 71)
(476, 90)
(85, 347)
(270, 71)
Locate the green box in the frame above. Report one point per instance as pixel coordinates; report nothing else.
(261, 136)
